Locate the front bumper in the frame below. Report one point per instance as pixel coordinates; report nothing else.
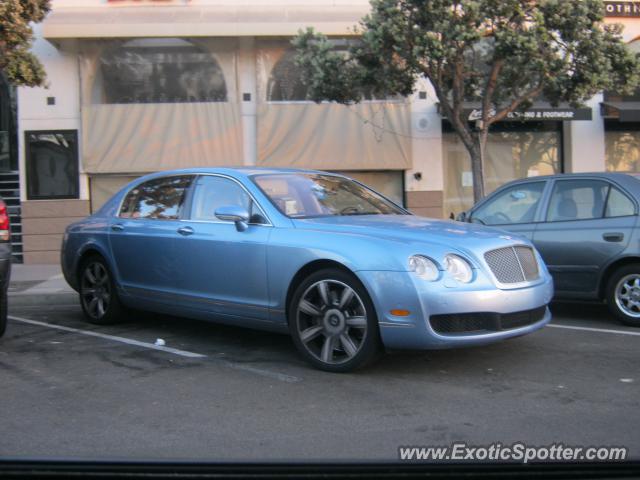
(480, 312)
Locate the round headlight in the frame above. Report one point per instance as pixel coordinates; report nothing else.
(424, 267)
(458, 268)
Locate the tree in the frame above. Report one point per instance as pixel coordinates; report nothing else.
(501, 53)
(17, 63)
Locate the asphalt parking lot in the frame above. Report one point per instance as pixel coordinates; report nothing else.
(74, 390)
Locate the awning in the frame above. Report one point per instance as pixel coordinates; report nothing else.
(622, 111)
(192, 20)
(540, 111)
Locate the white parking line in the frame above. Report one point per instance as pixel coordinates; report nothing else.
(128, 341)
(591, 329)
(283, 377)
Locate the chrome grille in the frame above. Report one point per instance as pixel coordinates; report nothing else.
(528, 262)
(513, 264)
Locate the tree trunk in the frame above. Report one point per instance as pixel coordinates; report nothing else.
(477, 152)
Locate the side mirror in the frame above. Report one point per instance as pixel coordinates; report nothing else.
(236, 214)
(462, 217)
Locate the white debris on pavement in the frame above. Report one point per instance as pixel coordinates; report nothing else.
(160, 342)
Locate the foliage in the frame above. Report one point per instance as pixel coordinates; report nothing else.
(17, 63)
(503, 53)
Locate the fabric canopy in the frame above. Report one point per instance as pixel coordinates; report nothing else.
(373, 135)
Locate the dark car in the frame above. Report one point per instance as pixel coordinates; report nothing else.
(5, 264)
(585, 226)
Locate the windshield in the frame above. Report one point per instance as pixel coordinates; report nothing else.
(304, 195)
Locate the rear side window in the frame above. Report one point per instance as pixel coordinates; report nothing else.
(160, 199)
(577, 200)
(619, 205)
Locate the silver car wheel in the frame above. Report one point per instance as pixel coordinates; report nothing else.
(331, 321)
(95, 290)
(627, 295)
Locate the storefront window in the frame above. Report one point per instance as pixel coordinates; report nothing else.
(622, 146)
(168, 70)
(514, 151)
(285, 79)
(52, 164)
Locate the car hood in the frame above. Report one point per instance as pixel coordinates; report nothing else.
(411, 228)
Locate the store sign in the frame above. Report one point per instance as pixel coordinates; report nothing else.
(537, 114)
(618, 8)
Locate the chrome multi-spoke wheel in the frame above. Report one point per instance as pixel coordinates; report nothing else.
(628, 295)
(623, 294)
(99, 301)
(331, 323)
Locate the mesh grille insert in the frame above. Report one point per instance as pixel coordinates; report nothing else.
(513, 264)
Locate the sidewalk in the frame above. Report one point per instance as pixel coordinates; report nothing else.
(39, 285)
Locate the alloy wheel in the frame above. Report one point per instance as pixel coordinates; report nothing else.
(331, 321)
(95, 290)
(627, 295)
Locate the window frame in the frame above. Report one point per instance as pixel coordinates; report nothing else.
(155, 179)
(508, 186)
(30, 170)
(186, 211)
(610, 184)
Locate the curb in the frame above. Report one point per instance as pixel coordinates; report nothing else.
(26, 300)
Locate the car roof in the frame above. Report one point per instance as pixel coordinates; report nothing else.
(246, 171)
(627, 179)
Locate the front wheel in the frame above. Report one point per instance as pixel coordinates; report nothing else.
(333, 322)
(623, 294)
(98, 295)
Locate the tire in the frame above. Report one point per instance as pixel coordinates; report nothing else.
(98, 293)
(333, 323)
(623, 294)
(3, 313)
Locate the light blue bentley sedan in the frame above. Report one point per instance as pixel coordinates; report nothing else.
(341, 268)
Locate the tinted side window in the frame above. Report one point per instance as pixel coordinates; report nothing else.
(214, 192)
(517, 204)
(159, 199)
(577, 200)
(619, 205)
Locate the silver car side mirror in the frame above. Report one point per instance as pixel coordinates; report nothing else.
(236, 214)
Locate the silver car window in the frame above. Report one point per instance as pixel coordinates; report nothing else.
(577, 200)
(517, 204)
(618, 204)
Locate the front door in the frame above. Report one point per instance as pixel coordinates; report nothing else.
(224, 270)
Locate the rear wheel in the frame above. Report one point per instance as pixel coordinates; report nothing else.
(98, 295)
(623, 294)
(333, 322)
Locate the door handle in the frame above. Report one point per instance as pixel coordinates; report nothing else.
(117, 227)
(185, 231)
(613, 236)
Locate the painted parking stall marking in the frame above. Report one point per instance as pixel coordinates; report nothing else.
(128, 341)
(282, 377)
(597, 330)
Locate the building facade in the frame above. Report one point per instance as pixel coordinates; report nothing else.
(140, 86)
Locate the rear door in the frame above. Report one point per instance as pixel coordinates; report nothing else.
(588, 222)
(513, 208)
(143, 237)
